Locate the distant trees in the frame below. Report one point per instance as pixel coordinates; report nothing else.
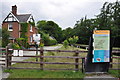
(108, 19)
(51, 28)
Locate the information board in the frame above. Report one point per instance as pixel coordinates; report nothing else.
(101, 46)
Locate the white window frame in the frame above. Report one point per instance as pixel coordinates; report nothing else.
(31, 28)
(10, 25)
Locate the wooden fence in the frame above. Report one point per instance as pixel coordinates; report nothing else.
(76, 58)
(8, 59)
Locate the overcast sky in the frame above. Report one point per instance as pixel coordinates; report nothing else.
(64, 12)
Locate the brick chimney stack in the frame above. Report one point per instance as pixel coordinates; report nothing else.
(14, 10)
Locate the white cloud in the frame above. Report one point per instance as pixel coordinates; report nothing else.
(63, 12)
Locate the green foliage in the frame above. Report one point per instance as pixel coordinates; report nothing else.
(108, 19)
(52, 42)
(51, 28)
(115, 73)
(23, 40)
(67, 33)
(24, 29)
(65, 43)
(47, 40)
(73, 40)
(15, 46)
(5, 37)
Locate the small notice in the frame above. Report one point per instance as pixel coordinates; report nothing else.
(36, 37)
(15, 52)
(20, 52)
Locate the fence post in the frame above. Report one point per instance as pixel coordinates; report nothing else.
(7, 60)
(83, 61)
(9, 57)
(76, 61)
(41, 58)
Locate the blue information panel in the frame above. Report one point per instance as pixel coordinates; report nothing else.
(101, 45)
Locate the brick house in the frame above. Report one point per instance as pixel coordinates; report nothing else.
(13, 24)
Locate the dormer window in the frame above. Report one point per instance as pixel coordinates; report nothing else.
(31, 28)
(10, 27)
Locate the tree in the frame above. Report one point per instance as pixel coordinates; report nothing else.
(5, 37)
(51, 28)
(73, 40)
(109, 18)
(67, 33)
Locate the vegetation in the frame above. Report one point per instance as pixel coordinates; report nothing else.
(23, 37)
(44, 74)
(108, 19)
(51, 28)
(65, 43)
(47, 40)
(73, 40)
(5, 37)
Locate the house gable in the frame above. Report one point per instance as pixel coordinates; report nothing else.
(10, 18)
(31, 19)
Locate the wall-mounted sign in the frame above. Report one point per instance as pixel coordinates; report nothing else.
(36, 37)
(20, 52)
(101, 46)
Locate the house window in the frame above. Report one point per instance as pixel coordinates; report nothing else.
(10, 27)
(31, 28)
(31, 39)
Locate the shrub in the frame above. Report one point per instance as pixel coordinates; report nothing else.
(15, 46)
(22, 42)
(47, 40)
(65, 43)
(52, 42)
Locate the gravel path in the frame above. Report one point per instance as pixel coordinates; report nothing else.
(5, 75)
(100, 77)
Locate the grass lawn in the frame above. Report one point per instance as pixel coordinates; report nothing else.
(44, 74)
(115, 73)
(23, 73)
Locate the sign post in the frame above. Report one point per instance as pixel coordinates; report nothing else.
(36, 38)
(98, 57)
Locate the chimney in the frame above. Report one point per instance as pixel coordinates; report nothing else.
(14, 10)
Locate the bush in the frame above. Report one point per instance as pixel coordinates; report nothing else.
(47, 40)
(15, 46)
(65, 43)
(52, 42)
(22, 42)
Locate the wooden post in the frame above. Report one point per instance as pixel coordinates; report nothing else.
(36, 54)
(9, 57)
(83, 61)
(6, 59)
(76, 61)
(41, 58)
